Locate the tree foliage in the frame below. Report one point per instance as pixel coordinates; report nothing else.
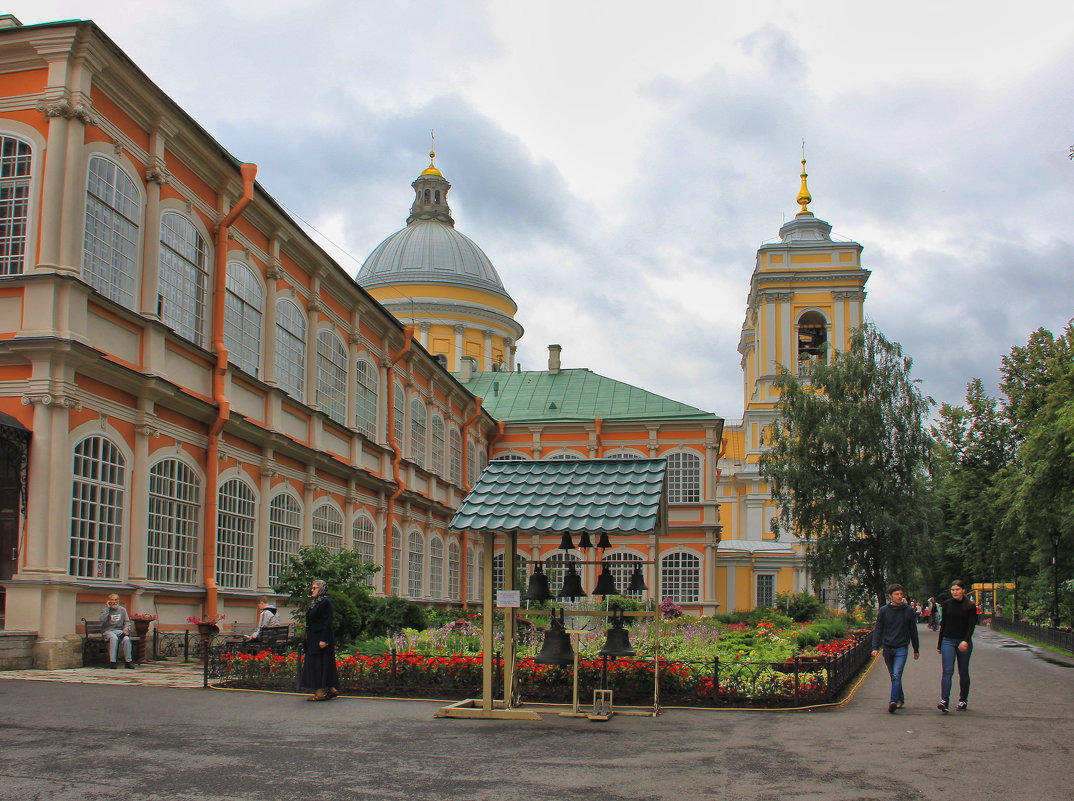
(848, 465)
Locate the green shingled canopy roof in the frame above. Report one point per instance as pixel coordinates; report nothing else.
(575, 394)
(623, 496)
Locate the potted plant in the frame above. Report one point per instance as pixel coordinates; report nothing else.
(141, 621)
(207, 624)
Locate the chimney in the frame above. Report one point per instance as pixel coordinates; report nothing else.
(466, 369)
(553, 359)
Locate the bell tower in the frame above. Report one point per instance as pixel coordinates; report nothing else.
(430, 195)
(806, 298)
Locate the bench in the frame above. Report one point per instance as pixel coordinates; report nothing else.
(277, 639)
(94, 643)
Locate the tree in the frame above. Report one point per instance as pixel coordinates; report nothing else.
(848, 465)
(345, 573)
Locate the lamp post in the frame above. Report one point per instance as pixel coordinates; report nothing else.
(1055, 577)
(1015, 555)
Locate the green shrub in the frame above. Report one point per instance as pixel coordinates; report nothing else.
(801, 607)
(384, 616)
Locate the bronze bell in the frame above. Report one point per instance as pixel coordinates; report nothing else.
(584, 541)
(637, 580)
(606, 581)
(556, 649)
(572, 584)
(618, 642)
(566, 543)
(538, 586)
(603, 541)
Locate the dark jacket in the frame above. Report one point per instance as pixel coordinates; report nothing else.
(319, 669)
(957, 621)
(896, 627)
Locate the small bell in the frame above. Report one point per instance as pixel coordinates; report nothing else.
(566, 543)
(538, 586)
(618, 642)
(556, 649)
(584, 541)
(606, 581)
(637, 580)
(603, 541)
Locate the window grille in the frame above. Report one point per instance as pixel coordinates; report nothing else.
(417, 432)
(766, 589)
(499, 571)
(332, 376)
(455, 456)
(172, 537)
(242, 317)
(328, 528)
(290, 349)
(397, 558)
(621, 566)
(454, 571)
(110, 241)
(183, 276)
(684, 477)
(436, 569)
(680, 577)
(415, 583)
(16, 165)
(97, 499)
(399, 407)
(436, 463)
(366, 399)
(236, 522)
(285, 533)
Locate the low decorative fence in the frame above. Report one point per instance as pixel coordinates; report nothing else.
(796, 682)
(1056, 638)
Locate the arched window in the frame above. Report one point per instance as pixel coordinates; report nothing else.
(417, 432)
(436, 568)
(364, 537)
(183, 276)
(97, 498)
(290, 349)
(812, 342)
(242, 317)
(415, 573)
(172, 536)
(16, 165)
(621, 565)
(455, 456)
(236, 523)
(684, 477)
(397, 558)
(564, 456)
(436, 463)
(328, 528)
(454, 570)
(332, 376)
(110, 242)
(624, 454)
(285, 533)
(509, 457)
(680, 577)
(365, 399)
(498, 571)
(399, 412)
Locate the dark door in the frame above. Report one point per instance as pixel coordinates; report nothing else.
(10, 492)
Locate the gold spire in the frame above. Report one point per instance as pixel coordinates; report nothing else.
(804, 198)
(431, 169)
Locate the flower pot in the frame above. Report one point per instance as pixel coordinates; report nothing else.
(141, 628)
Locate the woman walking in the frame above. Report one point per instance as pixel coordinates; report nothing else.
(958, 618)
(319, 672)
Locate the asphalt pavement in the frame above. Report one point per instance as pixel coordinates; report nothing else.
(87, 741)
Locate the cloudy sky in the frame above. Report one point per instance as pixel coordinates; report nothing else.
(621, 162)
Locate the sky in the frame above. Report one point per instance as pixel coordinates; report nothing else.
(621, 162)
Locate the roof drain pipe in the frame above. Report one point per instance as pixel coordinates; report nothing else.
(465, 479)
(397, 457)
(223, 407)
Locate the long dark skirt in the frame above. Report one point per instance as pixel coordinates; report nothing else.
(319, 671)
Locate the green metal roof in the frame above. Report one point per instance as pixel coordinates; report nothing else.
(568, 495)
(572, 395)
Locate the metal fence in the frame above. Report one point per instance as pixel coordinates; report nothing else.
(1056, 638)
(796, 682)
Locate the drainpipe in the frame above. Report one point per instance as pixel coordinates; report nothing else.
(397, 456)
(223, 407)
(599, 423)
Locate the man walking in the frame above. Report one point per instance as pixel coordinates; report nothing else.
(896, 630)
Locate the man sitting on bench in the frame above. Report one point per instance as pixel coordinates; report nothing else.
(266, 617)
(115, 628)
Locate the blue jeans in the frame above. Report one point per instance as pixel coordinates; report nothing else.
(895, 659)
(949, 653)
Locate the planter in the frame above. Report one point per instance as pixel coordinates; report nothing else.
(207, 630)
(141, 628)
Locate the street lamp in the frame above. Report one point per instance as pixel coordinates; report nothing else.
(1055, 577)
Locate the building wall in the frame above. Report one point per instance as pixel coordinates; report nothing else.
(86, 365)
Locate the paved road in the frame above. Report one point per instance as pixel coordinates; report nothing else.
(69, 741)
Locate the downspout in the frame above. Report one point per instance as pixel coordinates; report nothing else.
(397, 457)
(223, 407)
(599, 423)
(465, 477)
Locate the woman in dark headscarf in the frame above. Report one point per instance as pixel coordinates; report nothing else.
(319, 671)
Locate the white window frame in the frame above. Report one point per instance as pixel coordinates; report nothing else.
(680, 577)
(415, 565)
(332, 376)
(172, 529)
(98, 508)
(684, 477)
(327, 529)
(16, 184)
(455, 456)
(291, 348)
(364, 540)
(243, 312)
(365, 399)
(436, 567)
(764, 596)
(112, 235)
(419, 416)
(184, 276)
(285, 532)
(437, 442)
(454, 567)
(236, 532)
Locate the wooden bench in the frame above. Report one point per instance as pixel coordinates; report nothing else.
(94, 643)
(277, 639)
